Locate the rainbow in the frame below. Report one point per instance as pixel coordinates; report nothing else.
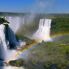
(34, 43)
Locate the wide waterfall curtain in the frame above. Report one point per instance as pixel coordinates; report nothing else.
(10, 37)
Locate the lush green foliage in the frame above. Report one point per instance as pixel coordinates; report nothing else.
(46, 55)
(60, 25)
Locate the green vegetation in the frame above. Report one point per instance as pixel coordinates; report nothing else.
(52, 53)
(17, 63)
(46, 55)
(60, 25)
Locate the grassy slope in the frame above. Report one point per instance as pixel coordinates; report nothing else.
(52, 53)
(46, 54)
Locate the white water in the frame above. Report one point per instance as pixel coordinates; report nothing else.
(4, 52)
(15, 22)
(7, 54)
(11, 67)
(43, 32)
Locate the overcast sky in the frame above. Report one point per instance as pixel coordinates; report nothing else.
(38, 6)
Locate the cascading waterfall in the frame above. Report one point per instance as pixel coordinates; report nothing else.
(14, 22)
(3, 46)
(7, 54)
(43, 32)
(9, 34)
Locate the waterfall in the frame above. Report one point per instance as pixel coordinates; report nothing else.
(43, 31)
(3, 45)
(8, 34)
(42, 34)
(15, 22)
(5, 53)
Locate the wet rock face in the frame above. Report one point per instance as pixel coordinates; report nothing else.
(2, 21)
(1, 62)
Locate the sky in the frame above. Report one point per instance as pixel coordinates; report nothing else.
(36, 6)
